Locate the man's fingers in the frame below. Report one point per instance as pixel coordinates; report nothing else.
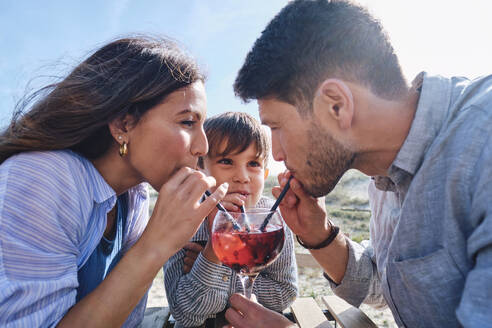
(240, 303)
(298, 190)
(276, 191)
(290, 198)
(234, 317)
(283, 175)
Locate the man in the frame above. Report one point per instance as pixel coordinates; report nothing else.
(330, 87)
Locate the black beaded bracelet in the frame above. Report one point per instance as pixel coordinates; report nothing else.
(333, 234)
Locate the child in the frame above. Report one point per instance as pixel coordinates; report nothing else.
(197, 285)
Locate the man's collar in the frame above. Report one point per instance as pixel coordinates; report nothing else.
(430, 115)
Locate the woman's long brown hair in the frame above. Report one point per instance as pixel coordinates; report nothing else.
(126, 76)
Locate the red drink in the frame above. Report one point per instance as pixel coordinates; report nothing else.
(247, 252)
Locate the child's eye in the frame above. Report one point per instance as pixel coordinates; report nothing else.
(254, 164)
(189, 123)
(225, 161)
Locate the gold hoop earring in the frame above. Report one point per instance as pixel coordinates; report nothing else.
(123, 149)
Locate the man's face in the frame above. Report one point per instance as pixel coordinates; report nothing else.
(313, 156)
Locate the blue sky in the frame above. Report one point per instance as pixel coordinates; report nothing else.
(449, 37)
(49, 37)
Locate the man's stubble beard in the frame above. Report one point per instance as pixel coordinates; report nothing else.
(327, 161)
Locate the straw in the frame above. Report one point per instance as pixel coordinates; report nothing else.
(246, 220)
(277, 203)
(235, 225)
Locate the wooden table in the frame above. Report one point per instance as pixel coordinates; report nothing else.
(308, 314)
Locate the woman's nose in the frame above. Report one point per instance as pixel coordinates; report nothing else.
(199, 146)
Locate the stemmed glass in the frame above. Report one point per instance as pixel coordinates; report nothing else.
(240, 244)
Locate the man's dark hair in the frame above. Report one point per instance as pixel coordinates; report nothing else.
(310, 41)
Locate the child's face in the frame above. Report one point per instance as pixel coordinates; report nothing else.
(244, 172)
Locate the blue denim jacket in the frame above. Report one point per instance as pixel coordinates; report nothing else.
(430, 256)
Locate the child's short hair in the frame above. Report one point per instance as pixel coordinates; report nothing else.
(239, 130)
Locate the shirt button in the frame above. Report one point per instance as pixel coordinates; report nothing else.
(225, 278)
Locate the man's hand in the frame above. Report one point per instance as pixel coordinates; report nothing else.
(244, 313)
(305, 215)
(192, 250)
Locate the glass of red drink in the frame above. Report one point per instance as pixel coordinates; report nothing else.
(247, 250)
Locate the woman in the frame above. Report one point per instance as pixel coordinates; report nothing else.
(76, 245)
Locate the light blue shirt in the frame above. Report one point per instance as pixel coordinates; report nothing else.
(106, 256)
(430, 258)
(53, 208)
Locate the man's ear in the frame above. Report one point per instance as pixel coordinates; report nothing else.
(334, 98)
(120, 127)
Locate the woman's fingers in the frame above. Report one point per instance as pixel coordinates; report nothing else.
(208, 204)
(193, 186)
(177, 179)
(178, 212)
(187, 185)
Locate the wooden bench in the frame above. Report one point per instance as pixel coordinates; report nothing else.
(308, 314)
(346, 315)
(156, 317)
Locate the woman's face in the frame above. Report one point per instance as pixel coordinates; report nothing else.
(169, 136)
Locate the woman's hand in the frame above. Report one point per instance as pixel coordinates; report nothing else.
(178, 212)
